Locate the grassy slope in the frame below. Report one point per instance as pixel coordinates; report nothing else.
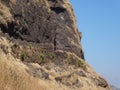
(13, 74)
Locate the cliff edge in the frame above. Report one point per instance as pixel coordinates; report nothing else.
(40, 48)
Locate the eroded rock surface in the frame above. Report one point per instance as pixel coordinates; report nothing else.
(42, 21)
(58, 75)
(40, 48)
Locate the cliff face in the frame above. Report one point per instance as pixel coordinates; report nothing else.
(40, 39)
(50, 22)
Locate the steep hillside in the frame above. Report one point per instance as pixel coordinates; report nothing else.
(40, 48)
(47, 22)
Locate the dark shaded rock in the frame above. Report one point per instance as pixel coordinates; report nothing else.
(81, 73)
(100, 82)
(44, 21)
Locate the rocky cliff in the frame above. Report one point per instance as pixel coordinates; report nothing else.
(48, 22)
(40, 48)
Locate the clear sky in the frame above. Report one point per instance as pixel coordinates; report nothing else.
(99, 22)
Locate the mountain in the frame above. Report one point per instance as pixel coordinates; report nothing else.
(114, 88)
(40, 48)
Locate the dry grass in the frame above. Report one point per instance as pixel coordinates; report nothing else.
(5, 15)
(9, 78)
(13, 76)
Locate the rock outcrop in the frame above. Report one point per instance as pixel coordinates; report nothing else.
(40, 48)
(50, 22)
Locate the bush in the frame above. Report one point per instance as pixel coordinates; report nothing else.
(79, 63)
(68, 61)
(42, 57)
(22, 57)
(51, 55)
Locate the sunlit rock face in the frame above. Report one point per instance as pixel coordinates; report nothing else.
(42, 21)
(40, 48)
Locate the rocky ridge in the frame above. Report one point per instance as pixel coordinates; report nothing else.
(40, 48)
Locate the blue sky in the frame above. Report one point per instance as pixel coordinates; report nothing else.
(99, 22)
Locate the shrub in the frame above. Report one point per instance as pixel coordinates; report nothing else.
(30, 46)
(79, 63)
(51, 55)
(68, 60)
(42, 57)
(22, 57)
